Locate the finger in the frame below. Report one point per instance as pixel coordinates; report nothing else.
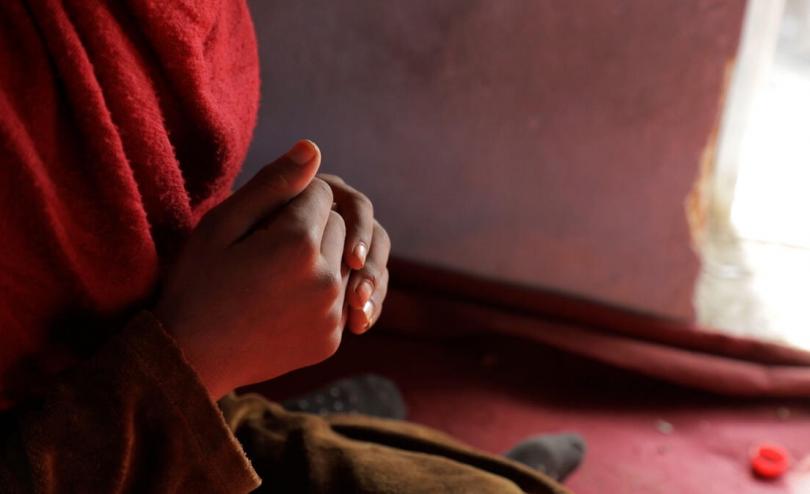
(271, 188)
(334, 238)
(358, 213)
(363, 319)
(308, 212)
(364, 281)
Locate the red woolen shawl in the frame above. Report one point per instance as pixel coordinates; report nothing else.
(121, 124)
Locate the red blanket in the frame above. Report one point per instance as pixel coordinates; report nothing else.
(121, 123)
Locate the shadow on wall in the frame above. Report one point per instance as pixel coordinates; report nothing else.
(545, 143)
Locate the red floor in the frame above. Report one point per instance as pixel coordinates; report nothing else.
(643, 436)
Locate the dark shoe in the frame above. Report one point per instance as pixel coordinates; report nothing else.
(556, 455)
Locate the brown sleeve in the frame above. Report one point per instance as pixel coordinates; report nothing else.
(134, 418)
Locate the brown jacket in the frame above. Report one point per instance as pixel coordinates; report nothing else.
(133, 418)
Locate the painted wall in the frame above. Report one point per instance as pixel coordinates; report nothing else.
(543, 142)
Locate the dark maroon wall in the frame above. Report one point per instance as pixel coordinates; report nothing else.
(545, 142)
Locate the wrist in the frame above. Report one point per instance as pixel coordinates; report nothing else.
(196, 357)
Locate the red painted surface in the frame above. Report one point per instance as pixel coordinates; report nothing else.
(493, 391)
(550, 143)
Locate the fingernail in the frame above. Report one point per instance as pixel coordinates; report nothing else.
(368, 310)
(364, 290)
(360, 251)
(303, 152)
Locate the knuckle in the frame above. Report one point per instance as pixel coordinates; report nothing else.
(380, 295)
(371, 274)
(363, 204)
(383, 281)
(332, 178)
(309, 249)
(330, 283)
(322, 189)
(303, 243)
(338, 220)
(381, 235)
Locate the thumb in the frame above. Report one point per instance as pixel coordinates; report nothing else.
(271, 188)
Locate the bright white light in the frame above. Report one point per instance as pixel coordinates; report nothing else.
(772, 198)
(771, 209)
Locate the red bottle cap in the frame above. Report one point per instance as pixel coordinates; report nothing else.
(770, 461)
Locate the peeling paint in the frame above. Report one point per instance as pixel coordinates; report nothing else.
(703, 214)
